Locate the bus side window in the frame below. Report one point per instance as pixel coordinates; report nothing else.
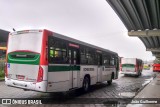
(112, 63)
(83, 59)
(106, 61)
(69, 55)
(51, 53)
(75, 57)
(98, 60)
(57, 54)
(57, 51)
(90, 56)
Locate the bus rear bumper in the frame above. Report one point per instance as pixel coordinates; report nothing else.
(36, 86)
(130, 73)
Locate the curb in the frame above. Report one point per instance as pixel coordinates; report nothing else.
(128, 105)
(154, 76)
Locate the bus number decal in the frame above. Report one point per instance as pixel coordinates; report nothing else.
(88, 69)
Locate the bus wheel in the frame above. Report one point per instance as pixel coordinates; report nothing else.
(86, 84)
(109, 82)
(140, 73)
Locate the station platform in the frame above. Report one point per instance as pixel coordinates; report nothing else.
(149, 96)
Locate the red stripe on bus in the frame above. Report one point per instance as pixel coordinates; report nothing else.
(44, 50)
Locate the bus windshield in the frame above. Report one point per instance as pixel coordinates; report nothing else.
(30, 41)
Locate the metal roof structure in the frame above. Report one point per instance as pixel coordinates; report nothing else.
(142, 19)
(3, 35)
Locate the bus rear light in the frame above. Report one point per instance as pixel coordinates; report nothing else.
(136, 68)
(120, 67)
(6, 71)
(40, 74)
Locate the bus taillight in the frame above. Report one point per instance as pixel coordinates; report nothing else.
(120, 67)
(136, 68)
(40, 74)
(5, 70)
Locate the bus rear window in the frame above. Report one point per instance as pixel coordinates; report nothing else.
(57, 51)
(25, 42)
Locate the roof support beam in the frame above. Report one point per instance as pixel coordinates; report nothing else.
(157, 54)
(153, 49)
(145, 33)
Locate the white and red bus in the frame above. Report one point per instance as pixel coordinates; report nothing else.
(131, 66)
(45, 61)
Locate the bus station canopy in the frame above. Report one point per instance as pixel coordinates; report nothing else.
(142, 19)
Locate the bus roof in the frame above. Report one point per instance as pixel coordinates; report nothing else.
(69, 39)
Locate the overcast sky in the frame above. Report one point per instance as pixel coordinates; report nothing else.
(91, 21)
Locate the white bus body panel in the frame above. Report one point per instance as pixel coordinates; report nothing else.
(129, 70)
(128, 61)
(30, 72)
(61, 81)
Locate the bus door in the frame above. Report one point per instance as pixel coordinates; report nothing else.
(74, 64)
(99, 71)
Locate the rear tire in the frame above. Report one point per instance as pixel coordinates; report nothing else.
(110, 81)
(138, 74)
(86, 84)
